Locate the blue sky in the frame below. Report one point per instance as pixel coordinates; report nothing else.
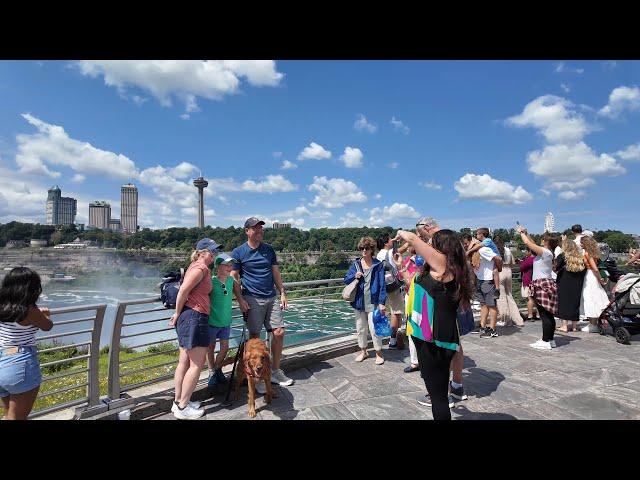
(327, 143)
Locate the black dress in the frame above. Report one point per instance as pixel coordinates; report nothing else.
(569, 290)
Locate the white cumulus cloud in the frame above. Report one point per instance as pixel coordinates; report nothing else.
(352, 157)
(483, 187)
(570, 195)
(399, 126)
(631, 153)
(431, 185)
(314, 152)
(554, 117)
(52, 146)
(621, 99)
(335, 192)
(362, 125)
(395, 213)
(272, 184)
(185, 80)
(287, 165)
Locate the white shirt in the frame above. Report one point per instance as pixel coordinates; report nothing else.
(556, 252)
(508, 257)
(542, 265)
(485, 270)
(383, 255)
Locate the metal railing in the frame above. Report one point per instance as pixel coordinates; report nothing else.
(129, 326)
(83, 341)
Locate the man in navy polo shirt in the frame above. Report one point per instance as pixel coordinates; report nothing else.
(258, 272)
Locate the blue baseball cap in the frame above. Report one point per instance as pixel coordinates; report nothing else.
(208, 244)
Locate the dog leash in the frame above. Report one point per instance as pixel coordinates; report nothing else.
(239, 354)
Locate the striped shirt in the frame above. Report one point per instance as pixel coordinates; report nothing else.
(12, 334)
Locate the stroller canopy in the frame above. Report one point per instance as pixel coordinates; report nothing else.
(630, 281)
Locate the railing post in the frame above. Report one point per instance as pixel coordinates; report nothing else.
(94, 359)
(114, 354)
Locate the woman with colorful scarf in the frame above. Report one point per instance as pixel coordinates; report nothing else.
(432, 307)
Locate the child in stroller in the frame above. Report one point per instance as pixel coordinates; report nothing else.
(623, 312)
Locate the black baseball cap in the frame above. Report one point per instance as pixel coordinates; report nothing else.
(252, 222)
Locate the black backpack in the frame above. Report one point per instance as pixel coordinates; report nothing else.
(169, 288)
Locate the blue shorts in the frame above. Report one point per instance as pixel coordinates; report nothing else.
(19, 371)
(223, 333)
(192, 328)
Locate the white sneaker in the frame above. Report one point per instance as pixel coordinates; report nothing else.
(541, 345)
(501, 324)
(279, 378)
(188, 413)
(590, 329)
(194, 405)
(261, 388)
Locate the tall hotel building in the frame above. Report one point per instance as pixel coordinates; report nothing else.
(99, 215)
(60, 210)
(129, 208)
(549, 223)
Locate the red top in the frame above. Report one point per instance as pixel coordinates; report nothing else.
(198, 297)
(526, 269)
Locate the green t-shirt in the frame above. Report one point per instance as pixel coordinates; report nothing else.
(220, 315)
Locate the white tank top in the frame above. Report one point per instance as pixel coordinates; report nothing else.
(12, 334)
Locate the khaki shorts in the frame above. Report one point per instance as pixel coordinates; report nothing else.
(263, 311)
(395, 302)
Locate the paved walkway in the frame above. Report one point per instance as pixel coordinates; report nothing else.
(587, 377)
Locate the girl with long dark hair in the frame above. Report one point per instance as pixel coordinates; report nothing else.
(434, 298)
(20, 319)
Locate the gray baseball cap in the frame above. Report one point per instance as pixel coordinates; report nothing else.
(252, 222)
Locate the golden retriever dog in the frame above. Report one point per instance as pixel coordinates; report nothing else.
(256, 365)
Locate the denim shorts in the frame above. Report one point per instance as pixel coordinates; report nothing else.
(20, 371)
(193, 329)
(223, 333)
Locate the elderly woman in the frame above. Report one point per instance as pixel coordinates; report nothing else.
(371, 292)
(191, 320)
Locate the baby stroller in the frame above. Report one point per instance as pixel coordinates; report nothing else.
(623, 312)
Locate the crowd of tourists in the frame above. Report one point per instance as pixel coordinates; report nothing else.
(424, 282)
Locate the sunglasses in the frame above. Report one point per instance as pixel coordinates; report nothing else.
(423, 225)
(363, 248)
(224, 289)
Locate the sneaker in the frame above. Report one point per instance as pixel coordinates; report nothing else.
(393, 347)
(279, 378)
(552, 343)
(261, 388)
(501, 324)
(220, 376)
(411, 368)
(479, 330)
(457, 393)
(452, 402)
(424, 400)
(590, 329)
(541, 345)
(194, 405)
(489, 333)
(188, 413)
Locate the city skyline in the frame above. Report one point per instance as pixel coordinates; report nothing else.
(374, 143)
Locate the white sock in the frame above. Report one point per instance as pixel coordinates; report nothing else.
(455, 385)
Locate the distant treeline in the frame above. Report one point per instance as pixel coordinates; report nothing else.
(282, 240)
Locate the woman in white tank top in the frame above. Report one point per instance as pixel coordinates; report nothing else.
(20, 319)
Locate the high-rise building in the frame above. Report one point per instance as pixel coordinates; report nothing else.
(549, 223)
(129, 208)
(60, 210)
(277, 225)
(114, 225)
(99, 215)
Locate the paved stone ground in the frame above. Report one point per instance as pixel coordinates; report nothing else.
(587, 376)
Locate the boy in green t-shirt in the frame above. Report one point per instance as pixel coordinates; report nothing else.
(220, 316)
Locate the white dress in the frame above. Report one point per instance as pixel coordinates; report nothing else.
(594, 298)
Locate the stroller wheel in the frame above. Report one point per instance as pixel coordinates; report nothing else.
(622, 335)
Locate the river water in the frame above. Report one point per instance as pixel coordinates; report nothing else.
(305, 319)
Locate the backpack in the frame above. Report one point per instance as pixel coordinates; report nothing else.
(169, 288)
